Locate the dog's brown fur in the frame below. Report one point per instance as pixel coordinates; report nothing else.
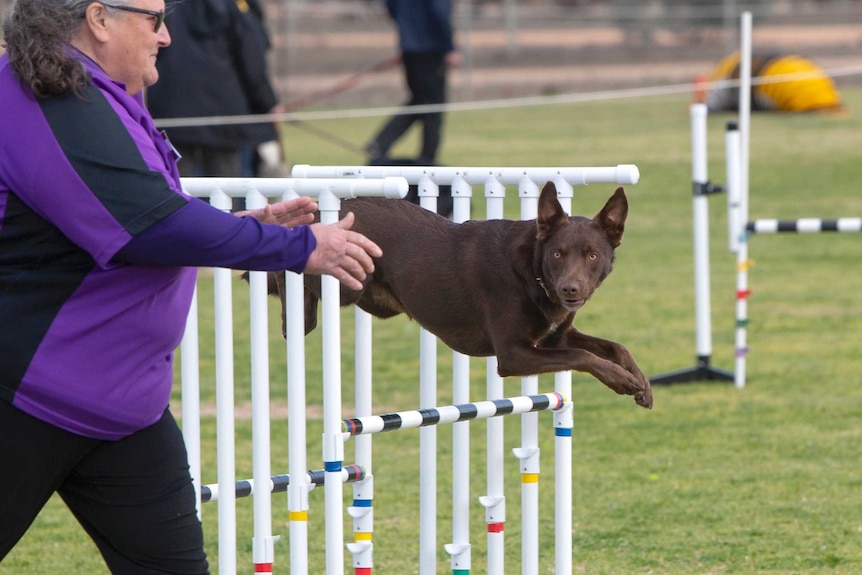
(498, 287)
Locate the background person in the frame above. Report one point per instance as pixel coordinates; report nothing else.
(96, 240)
(216, 66)
(425, 39)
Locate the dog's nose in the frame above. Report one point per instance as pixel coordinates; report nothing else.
(570, 291)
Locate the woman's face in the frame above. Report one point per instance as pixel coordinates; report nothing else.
(132, 46)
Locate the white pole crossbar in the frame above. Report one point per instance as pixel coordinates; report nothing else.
(452, 413)
(804, 226)
(624, 174)
(280, 483)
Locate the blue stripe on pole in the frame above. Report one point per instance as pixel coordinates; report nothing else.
(332, 466)
(563, 431)
(362, 502)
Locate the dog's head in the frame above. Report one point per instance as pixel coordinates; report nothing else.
(575, 253)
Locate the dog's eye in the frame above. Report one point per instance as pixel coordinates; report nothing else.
(593, 256)
(557, 254)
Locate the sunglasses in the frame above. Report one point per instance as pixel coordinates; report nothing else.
(158, 15)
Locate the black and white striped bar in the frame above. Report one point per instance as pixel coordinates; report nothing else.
(804, 226)
(279, 483)
(452, 413)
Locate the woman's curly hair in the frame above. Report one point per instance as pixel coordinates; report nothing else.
(36, 37)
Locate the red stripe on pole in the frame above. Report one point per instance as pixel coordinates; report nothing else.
(362, 571)
(495, 527)
(263, 567)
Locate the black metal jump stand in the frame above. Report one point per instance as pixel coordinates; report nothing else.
(702, 371)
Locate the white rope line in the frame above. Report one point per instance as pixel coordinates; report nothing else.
(570, 98)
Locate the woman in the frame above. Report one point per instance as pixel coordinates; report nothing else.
(98, 245)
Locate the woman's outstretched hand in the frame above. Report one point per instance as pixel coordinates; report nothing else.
(291, 213)
(341, 253)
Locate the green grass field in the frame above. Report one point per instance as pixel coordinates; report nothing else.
(714, 480)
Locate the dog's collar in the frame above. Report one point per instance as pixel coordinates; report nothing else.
(542, 284)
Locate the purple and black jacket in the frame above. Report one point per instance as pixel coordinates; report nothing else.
(98, 249)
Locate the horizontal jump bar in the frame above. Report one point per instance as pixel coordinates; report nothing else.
(804, 226)
(619, 174)
(279, 483)
(452, 413)
(390, 187)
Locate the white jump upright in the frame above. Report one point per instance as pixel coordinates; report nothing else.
(702, 189)
(743, 230)
(494, 179)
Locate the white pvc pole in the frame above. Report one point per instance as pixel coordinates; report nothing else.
(263, 543)
(744, 110)
(362, 510)
(744, 146)
(225, 430)
(563, 423)
(494, 501)
(297, 492)
(459, 549)
(735, 223)
(700, 181)
(333, 440)
(191, 395)
(428, 193)
(742, 265)
(528, 453)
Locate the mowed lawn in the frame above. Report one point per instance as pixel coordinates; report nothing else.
(714, 480)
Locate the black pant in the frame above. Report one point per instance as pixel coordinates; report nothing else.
(426, 79)
(134, 497)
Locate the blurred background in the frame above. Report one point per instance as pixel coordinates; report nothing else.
(546, 47)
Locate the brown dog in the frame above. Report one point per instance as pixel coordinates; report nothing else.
(498, 287)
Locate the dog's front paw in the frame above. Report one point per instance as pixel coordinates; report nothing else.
(644, 398)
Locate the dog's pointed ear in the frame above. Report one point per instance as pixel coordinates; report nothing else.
(612, 219)
(550, 212)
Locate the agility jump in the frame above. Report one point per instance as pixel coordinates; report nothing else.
(328, 192)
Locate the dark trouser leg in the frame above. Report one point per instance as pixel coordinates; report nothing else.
(36, 457)
(135, 499)
(427, 81)
(425, 75)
